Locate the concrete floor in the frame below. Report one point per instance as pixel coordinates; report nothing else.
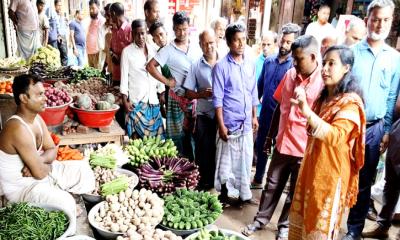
(236, 219)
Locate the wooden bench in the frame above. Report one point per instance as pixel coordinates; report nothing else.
(116, 135)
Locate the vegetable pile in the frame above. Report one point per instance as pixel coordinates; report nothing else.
(104, 163)
(56, 97)
(165, 175)
(67, 153)
(102, 176)
(51, 72)
(187, 209)
(130, 211)
(153, 234)
(213, 234)
(87, 102)
(48, 55)
(94, 87)
(119, 184)
(141, 150)
(5, 87)
(12, 63)
(22, 221)
(86, 73)
(102, 160)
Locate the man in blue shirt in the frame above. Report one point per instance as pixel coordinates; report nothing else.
(198, 85)
(78, 37)
(377, 68)
(58, 30)
(268, 48)
(235, 101)
(273, 70)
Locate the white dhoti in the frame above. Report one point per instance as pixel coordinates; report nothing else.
(28, 43)
(234, 159)
(73, 176)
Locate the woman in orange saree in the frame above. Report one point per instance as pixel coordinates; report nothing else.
(328, 177)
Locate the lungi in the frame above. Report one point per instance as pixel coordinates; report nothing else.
(233, 164)
(28, 43)
(145, 120)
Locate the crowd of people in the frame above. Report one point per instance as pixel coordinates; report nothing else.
(321, 105)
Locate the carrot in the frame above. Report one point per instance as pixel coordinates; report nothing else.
(67, 153)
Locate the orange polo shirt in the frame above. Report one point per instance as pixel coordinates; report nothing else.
(292, 134)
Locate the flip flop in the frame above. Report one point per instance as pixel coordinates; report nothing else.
(251, 228)
(255, 185)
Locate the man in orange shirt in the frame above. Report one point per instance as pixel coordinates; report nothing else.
(292, 135)
(94, 46)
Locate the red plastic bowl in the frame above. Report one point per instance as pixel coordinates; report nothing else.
(53, 116)
(95, 118)
(47, 85)
(54, 80)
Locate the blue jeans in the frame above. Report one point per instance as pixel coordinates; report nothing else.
(358, 213)
(62, 47)
(81, 55)
(265, 123)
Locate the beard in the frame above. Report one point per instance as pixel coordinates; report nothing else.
(283, 52)
(378, 37)
(94, 16)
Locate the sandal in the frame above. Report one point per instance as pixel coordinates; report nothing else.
(252, 228)
(255, 185)
(282, 235)
(251, 201)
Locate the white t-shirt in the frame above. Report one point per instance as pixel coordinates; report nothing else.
(320, 32)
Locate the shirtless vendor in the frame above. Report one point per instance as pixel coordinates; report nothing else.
(28, 171)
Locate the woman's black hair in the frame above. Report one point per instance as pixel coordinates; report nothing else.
(348, 83)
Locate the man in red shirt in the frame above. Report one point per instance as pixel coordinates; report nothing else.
(291, 140)
(121, 37)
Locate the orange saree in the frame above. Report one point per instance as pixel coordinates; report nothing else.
(328, 178)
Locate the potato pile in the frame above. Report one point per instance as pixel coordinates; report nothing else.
(102, 176)
(130, 211)
(154, 234)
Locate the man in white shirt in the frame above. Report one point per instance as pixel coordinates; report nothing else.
(24, 15)
(321, 28)
(140, 90)
(219, 26)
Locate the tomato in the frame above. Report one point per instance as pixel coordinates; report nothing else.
(8, 88)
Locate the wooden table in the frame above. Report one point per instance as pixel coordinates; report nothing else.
(116, 135)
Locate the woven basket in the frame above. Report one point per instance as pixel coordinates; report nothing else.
(14, 73)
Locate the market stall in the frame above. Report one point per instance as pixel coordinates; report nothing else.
(143, 188)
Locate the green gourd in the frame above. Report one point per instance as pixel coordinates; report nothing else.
(84, 102)
(103, 105)
(109, 97)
